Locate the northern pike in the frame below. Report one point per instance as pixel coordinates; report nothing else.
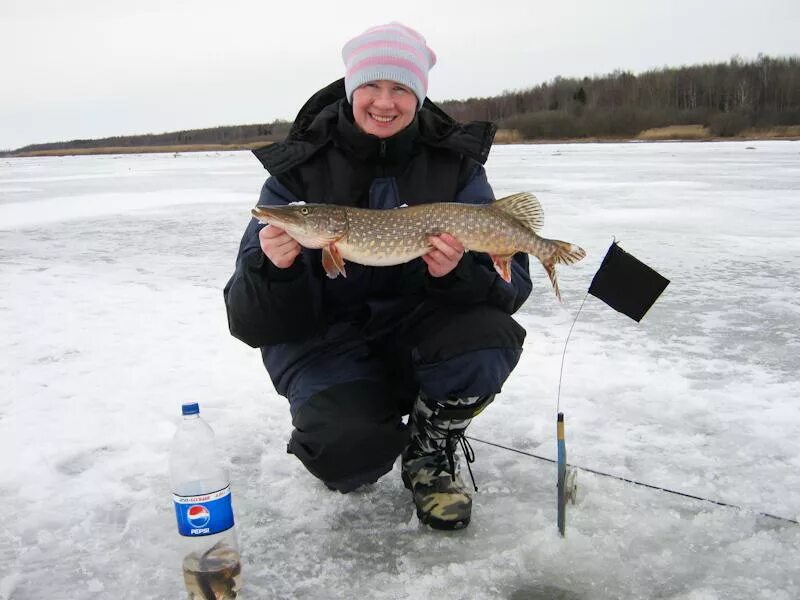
(382, 238)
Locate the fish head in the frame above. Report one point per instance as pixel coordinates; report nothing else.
(312, 225)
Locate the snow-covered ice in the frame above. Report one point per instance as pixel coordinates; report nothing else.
(111, 316)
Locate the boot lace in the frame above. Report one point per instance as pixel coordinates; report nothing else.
(452, 441)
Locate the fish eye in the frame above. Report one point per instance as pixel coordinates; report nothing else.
(303, 211)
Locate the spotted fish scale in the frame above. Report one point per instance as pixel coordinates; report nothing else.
(391, 237)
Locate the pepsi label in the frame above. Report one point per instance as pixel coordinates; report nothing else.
(205, 514)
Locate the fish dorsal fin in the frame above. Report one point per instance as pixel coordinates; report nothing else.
(524, 207)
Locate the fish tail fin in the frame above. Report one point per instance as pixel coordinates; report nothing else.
(563, 253)
(566, 253)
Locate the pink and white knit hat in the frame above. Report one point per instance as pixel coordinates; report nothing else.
(393, 52)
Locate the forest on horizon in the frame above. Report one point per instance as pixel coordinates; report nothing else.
(725, 99)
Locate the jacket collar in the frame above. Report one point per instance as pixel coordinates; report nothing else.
(318, 123)
(391, 151)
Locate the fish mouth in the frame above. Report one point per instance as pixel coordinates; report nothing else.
(276, 215)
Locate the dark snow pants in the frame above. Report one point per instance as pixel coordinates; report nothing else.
(348, 394)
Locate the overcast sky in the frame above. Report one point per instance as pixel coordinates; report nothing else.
(96, 68)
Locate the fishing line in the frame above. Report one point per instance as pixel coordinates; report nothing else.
(635, 482)
(564, 354)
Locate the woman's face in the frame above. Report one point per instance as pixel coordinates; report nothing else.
(383, 108)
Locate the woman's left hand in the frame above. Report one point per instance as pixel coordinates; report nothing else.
(444, 256)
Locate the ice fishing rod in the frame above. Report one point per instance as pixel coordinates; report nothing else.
(567, 476)
(639, 483)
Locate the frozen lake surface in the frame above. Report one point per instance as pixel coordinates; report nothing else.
(111, 316)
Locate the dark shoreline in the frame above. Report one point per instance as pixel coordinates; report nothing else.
(233, 148)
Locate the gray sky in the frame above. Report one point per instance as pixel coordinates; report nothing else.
(96, 68)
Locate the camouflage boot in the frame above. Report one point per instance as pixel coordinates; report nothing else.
(430, 466)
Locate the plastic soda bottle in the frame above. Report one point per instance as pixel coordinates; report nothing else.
(202, 497)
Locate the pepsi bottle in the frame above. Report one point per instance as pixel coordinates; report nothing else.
(201, 493)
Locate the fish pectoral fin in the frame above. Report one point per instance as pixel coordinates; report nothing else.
(502, 264)
(332, 261)
(559, 253)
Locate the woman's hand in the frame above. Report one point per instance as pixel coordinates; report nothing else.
(280, 248)
(444, 255)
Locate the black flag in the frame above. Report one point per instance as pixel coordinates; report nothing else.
(626, 284)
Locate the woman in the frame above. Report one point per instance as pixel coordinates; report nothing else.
(433, 337)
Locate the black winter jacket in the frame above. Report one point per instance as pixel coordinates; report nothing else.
(325, 158)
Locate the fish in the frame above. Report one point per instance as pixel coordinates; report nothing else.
(375, 237)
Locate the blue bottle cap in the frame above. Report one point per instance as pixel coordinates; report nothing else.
(190, 408)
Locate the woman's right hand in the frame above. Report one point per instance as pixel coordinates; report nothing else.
(280, 248)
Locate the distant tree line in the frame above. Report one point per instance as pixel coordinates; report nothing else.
(728, 98)
(234, 134)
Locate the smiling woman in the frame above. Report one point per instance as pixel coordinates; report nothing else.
(383, 108)
(432, 336)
